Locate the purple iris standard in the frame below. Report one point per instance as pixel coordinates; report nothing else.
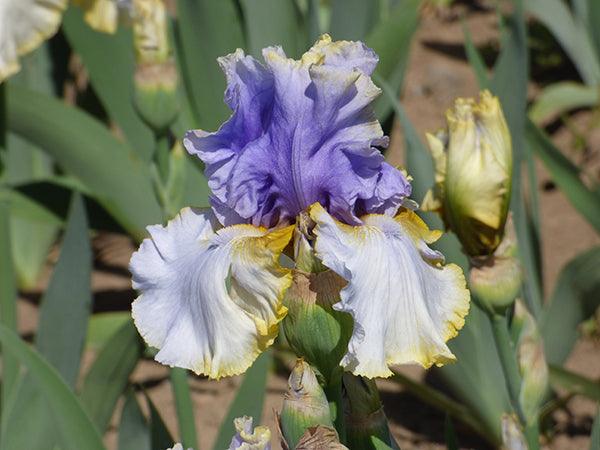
(302, 138)
(301, 132)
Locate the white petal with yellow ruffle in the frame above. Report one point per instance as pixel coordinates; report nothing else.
(24, 25)
(210, 300)
(405, 303)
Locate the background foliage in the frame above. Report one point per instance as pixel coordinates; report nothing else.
(74, 169)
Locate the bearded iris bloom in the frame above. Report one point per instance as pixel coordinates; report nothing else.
(301, 140)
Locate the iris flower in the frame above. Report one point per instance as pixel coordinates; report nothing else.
(301, 140)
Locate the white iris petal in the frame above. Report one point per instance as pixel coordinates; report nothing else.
(404, 303)
(209, 300)
(24, 25)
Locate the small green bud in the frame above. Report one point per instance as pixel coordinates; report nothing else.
(305, 404)
(366, 423)
(473, 163)
(532, 362)
(155, 94)
(495, 280)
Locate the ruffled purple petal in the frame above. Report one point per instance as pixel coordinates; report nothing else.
(301, 132)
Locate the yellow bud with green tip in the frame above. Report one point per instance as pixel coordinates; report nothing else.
(473, 162)
(155, 80)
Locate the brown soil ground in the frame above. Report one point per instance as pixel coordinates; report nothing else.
(437, 74)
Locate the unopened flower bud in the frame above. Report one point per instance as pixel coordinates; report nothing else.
(314, 330)
(365, 420)
(155, 78)
(305, 404)
(473, 162)
(532, 362)
(495, 280)
(155, 94)
(247, 438)
(150, 31)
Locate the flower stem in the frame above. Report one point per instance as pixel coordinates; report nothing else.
(162, 156)
(333, 391)
(184, 407)
(508, 361)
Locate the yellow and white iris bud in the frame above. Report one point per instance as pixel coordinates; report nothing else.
(473, 162)
(150, 32)
(532, 362)
(305, 405)
(156, 78)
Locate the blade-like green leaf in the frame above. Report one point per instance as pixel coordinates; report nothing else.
(450, 434)
(274, 22)
(475, 59)
(75, 427)
(574, 383)
(60, 337)
(109, 374)
(103, 326)
(572, 35)
(566, 175)
(509, 83)
(8, 303)
(595, 438)
(48, 200)
(22, 207)
(184, 406)
(134, 433)
(444, 403)
(576, 296)
(205, 30)
(66, 304)
(118, 178)
(31, 240)
(248, 400)
(109, 61)
(313, 20)
(391, 41)
(353, 19)
(561, 97)
(593, 16)
(159, 433)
